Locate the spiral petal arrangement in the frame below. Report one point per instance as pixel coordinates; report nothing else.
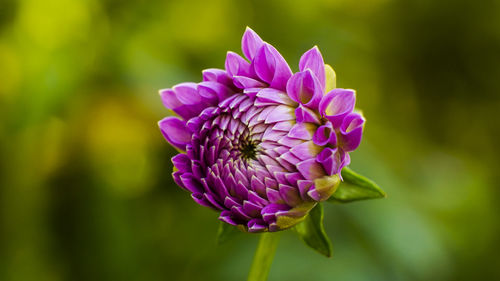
(262, 145)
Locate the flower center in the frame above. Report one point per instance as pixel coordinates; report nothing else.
(248, 149)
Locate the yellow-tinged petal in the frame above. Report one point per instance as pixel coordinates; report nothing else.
(326, 186)
(294, 215)
(330, 82)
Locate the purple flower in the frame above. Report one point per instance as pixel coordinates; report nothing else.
(262, 145)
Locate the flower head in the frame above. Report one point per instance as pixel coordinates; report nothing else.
(262, 145)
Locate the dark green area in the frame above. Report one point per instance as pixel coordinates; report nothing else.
(85, 176)
(312, 232)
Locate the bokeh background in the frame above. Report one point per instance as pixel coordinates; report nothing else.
(85, 185)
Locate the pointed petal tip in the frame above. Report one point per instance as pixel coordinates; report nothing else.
(313, 59)
(250, 43)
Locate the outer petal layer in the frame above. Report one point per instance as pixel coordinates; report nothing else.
(313, 60)
(175, 132)
(271, 67)
(337, 104)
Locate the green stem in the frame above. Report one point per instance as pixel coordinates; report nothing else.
(263, 256)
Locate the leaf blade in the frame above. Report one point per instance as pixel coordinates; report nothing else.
(355, 187)
(312, 232)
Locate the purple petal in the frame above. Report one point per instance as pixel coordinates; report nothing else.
(303, 87)
(290, 158)
(236, 65)
(274, 196)
(217, 75)
(250, 43)
(175, 131)
(313, 60)
(244, 82)
(177, 178)
(271, 67)
(210, 198)
(331, 160)
(170, 101)
(325, 135)
(211, 90)
(306, 150)
(182, 162)
(310, 169)
(256, 225)
(304, 186)
(290, 195)
(251, 208)
(202, 200)
(280, 113)
(351, 131)
(268, 96)
(274, 208)
(227, 216)
(255, 198)
(337, 104)
(229, 202)
(184, 100)
(191, 183)
(187, 93)
(304, 114)
(303, 131)
(239, 213)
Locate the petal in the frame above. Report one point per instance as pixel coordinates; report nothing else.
(207, 90)
(170, 101)
(280, 113)
(251, 208)
(330, 78)
(250, 43)
(290, 195)
(304, 114)
(202, 200)
(351, 131)
(187, 93)
(274, 196)
(324, 135)
(305, 88)
(273, 208)
(236, 65)
(310, 169)
(303, 131)
(313, 60)
(217, 75)
(184, 100)
(191, 183)
(306, 150)
(324, 187)
(304, 186)
(227, 216)
(175, 131)
(256, 225)
(268, 96)
(271, 67)
(244, 82)
(330, 159)
(182, 162)
(337, 104)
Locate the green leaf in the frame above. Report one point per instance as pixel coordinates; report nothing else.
(312, 232)
(355, 187)
(226, 232)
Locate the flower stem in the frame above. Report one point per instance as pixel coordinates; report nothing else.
(263, 256)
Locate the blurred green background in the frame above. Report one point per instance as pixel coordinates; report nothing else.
(85, 185)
